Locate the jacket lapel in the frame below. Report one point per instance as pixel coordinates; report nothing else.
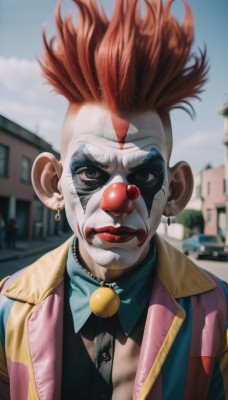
(176, 277)
(164, 320)
(45, 335)
(42, 286)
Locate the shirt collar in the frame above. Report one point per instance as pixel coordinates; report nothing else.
(133, 290)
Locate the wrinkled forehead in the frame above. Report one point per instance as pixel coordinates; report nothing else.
(95, 124)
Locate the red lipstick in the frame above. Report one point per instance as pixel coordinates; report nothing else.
(115, 235)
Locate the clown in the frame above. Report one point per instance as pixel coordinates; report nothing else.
(116, 313)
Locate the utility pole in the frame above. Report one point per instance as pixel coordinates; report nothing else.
(224, 112)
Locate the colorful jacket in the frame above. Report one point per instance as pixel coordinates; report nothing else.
(184, 352)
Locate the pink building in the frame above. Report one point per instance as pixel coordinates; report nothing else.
(209, 196)
(18, 149)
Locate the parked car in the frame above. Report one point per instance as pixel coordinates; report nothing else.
(207, 246)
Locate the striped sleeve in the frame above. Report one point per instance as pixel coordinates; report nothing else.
(4, 378)
(219, 382)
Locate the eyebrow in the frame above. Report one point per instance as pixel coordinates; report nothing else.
(82, 158)
(149, 159)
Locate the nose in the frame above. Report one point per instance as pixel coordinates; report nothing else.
(118, 198)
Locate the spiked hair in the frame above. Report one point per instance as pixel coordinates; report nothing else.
(132, 62)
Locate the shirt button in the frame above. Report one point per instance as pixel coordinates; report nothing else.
(105, 357)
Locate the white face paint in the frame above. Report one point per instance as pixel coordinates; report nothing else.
(110, 235)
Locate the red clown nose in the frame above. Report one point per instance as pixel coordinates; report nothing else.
(118, 198)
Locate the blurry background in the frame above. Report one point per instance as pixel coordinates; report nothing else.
(25, 99)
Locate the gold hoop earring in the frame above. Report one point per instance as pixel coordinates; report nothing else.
(57, 215)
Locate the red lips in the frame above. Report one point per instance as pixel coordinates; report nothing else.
(115, 235)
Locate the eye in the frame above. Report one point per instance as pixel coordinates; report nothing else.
(89, 173)
(143, 178)
(90, 176)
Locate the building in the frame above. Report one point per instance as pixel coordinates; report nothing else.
(224, 113)
(18, 149)
(209, 196)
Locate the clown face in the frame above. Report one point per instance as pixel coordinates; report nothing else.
(114, 183)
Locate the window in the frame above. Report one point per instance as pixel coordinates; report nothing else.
(38, 215)
(224, 186)
(4, 160)
(198, 191)
(25, 170)
(209, 215)
(209, 189)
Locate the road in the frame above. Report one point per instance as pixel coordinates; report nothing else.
(219, 268)
(9, 267)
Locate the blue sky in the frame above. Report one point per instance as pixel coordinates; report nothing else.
(25, 98)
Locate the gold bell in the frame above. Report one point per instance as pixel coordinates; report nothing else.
(57, 215)
(104, 302)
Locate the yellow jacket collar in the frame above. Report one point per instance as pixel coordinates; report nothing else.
(179, 275)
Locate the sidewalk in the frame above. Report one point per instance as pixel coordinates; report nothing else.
(31, 247)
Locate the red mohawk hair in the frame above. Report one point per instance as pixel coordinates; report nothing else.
(128, 63)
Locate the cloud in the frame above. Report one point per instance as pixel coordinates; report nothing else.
(18, 74)
(40, 120)
(28, 101)
(200, 149)
(24, 77)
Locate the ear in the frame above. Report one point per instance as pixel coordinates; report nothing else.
(180, 188)
(46, 173)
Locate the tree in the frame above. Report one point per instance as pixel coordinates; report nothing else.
(192, 220)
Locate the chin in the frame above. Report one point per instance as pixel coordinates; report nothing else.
(114, 258)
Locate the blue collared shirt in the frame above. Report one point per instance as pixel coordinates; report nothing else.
(133, 289)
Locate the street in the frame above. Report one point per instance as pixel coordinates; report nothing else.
(219, 268)
(11, 266)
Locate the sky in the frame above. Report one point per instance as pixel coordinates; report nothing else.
(26, 99)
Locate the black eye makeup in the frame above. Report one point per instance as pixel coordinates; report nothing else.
(90, 176)
(149, 176)
(86, 172)
(87, 175)
(84, 159)
(149, 173)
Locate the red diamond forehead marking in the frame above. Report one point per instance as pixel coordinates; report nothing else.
(121, 127)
